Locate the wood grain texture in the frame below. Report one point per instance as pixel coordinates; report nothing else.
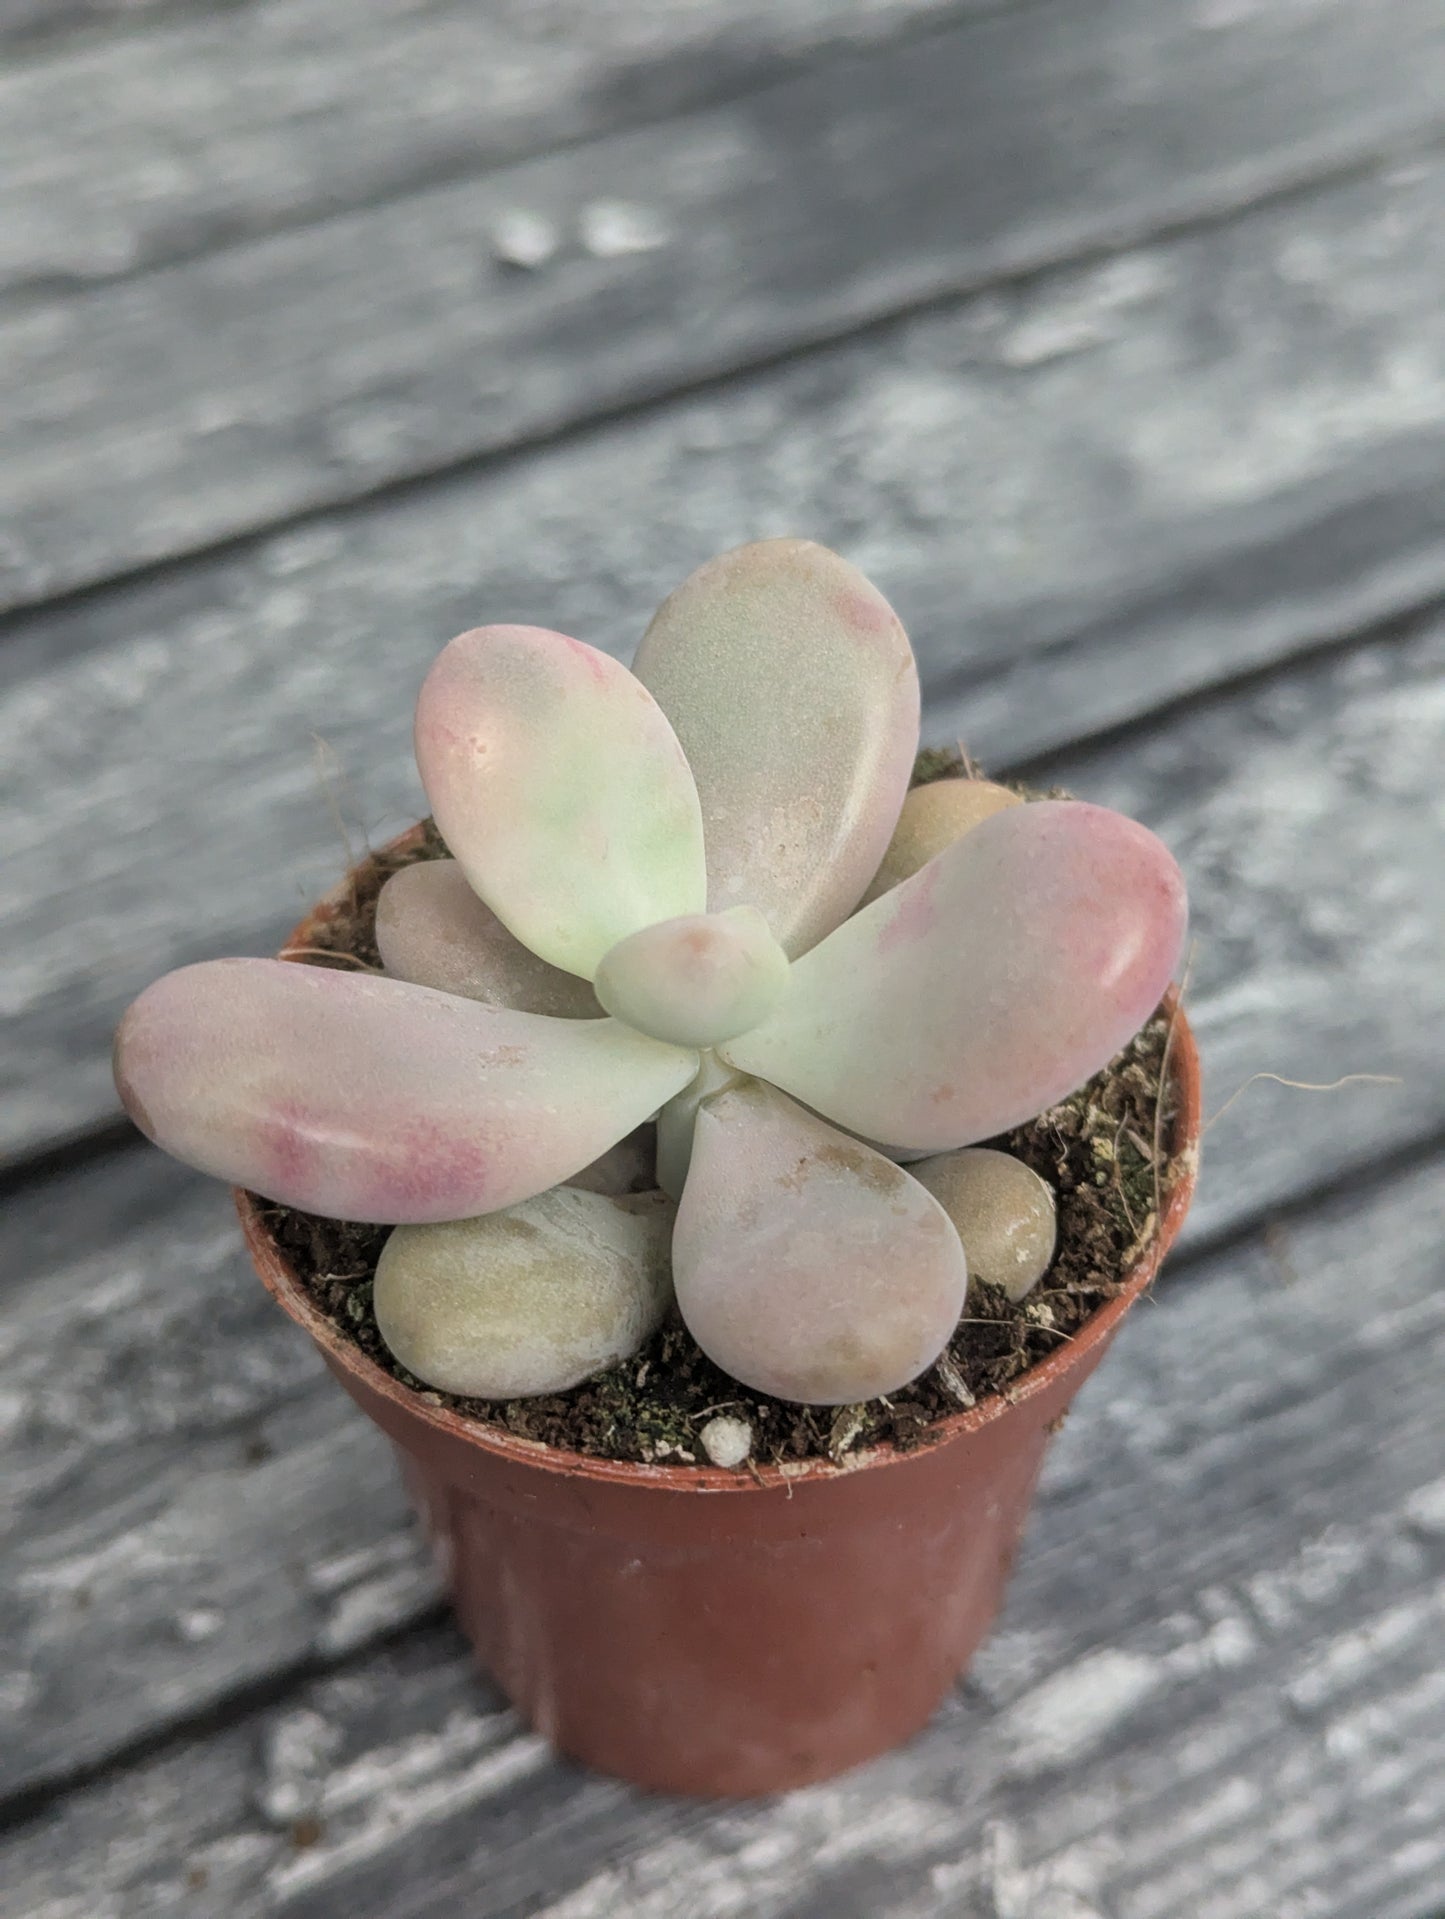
(143, 1357)
(1113, 487)
(187, 1507)
(26, 25)
(311, 367)
(1215, 1689)
(208, 123)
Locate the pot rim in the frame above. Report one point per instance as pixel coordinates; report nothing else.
(285, 1286)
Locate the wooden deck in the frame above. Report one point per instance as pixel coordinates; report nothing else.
(1109, 337)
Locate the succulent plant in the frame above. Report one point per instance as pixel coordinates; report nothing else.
(652, 913)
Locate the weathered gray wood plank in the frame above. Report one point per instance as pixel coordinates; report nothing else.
(186, 1507)
(143, 1361)
(1215, 1691)
(1115, 486)
(313, 366)
(29, 24)
(216, 122)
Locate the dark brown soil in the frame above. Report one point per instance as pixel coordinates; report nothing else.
(1106, 1152)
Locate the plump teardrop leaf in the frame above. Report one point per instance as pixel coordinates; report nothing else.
(561, 790)
(530, 1300)
(369, 1099)
(933, 817)
(1003, 1212)
(793, 690)
(806, 1265)
(695, 980)
(432, 930)
(985, 988)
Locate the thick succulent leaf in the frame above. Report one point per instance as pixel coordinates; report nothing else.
(933, 817)
(369, 1099)
(807, 1265)
(984, 988)
(432, 930)
(695, 980)
(678, 1120)
(1003, 1212)
(793, 690)
(561, 789)
(531, 1300)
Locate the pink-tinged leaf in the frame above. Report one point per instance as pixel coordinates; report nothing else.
(531, 1300)
(933, 817)
(806, 1265)
(1004, 1214)
(985, 988)
(793, 690)
(369, 1099)
(561, 789)
(696, 980)
(432, 930)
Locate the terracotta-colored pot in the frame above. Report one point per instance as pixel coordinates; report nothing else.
(724, 1632)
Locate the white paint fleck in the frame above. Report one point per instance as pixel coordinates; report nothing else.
(1353, 1655)
(614, 228)
(378, 1604)
(401, 1791)
(1425, 1509)
(1064, 1886)
(1075, 1709)
(19, 1690)
(198, 1623)
(298, 1749)
(521, 238)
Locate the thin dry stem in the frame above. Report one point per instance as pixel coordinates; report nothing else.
(1306, 1086)
(327, 953)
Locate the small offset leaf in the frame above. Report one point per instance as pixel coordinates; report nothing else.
(696, 980)
(793, 690)
(806, 1265)
(985, 988)
(560, 789)
(933, 817)
(432, 930)
(531, 1300)
(1003, 1211)
(369, 1099)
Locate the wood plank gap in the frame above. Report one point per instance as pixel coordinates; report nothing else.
(748, 82)
(1035, 769)
(35, 1799)
(316, 369)
(591, 423)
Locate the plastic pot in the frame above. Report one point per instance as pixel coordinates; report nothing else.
(728, 1632)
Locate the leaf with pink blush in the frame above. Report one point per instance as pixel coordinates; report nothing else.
(560, 789)
(793, 690)
(985, 988)
(805, 1264)
(432, 930)
(369, 1099)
